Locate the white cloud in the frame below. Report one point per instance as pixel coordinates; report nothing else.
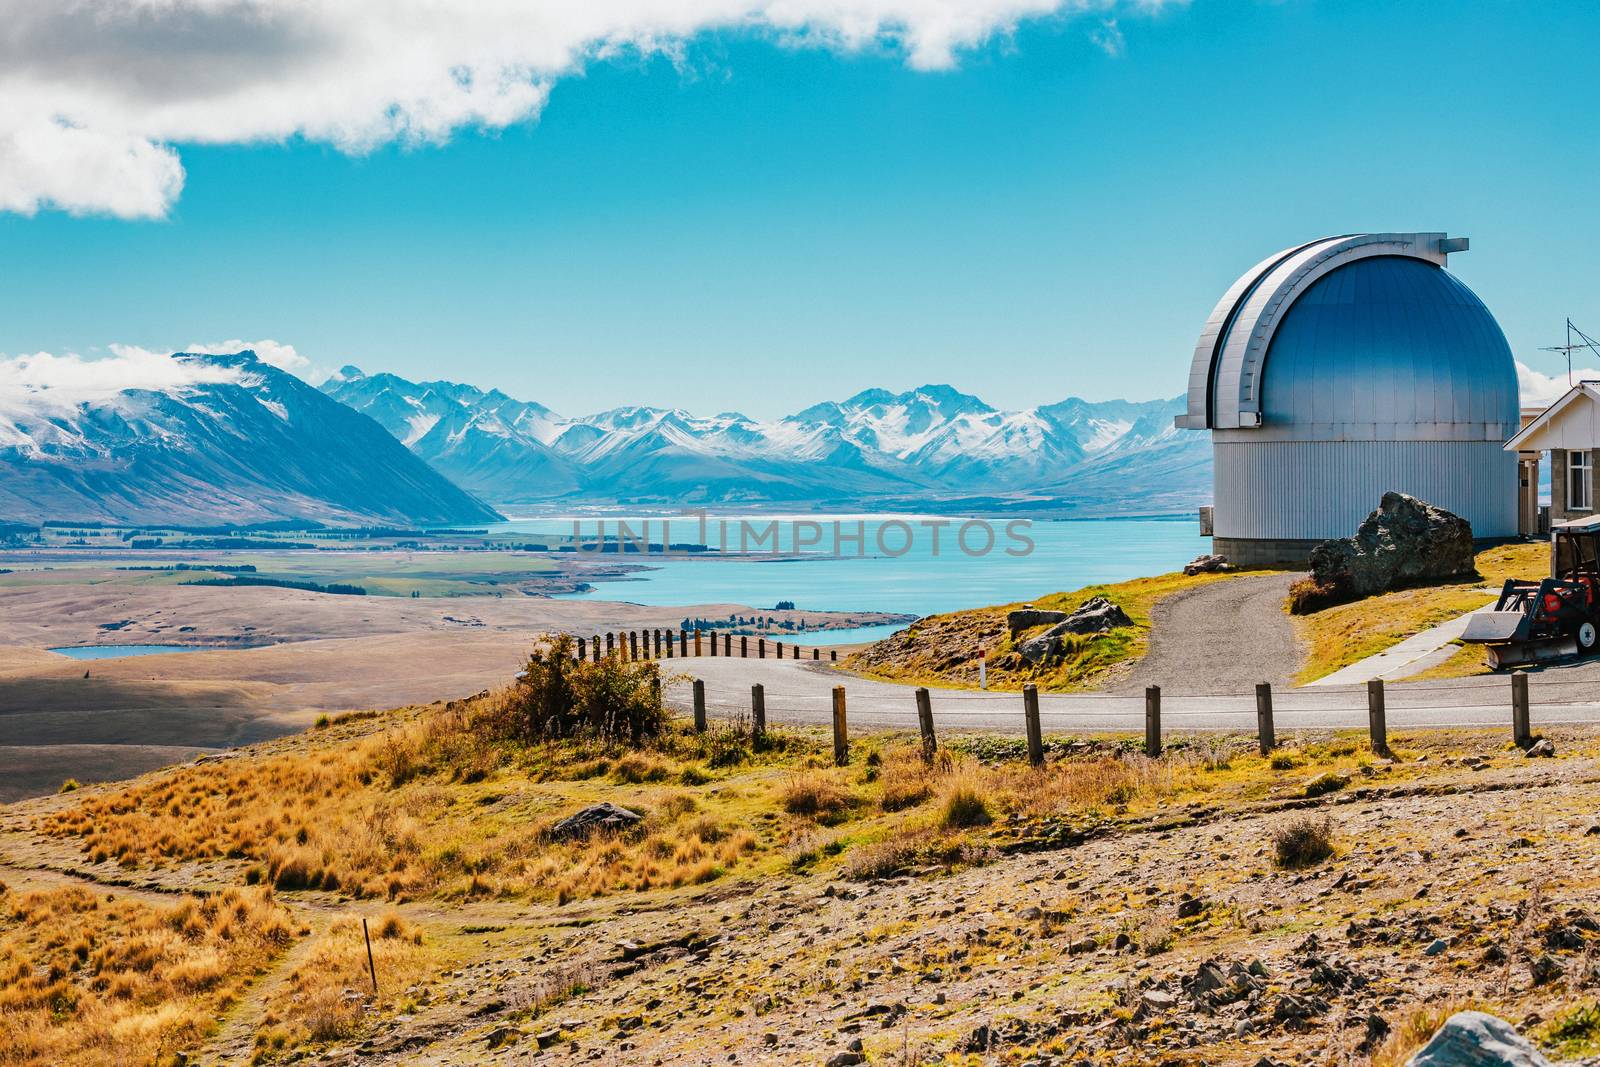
(97, 92)
(1109, 39)
(1542, 390)
(271, 352)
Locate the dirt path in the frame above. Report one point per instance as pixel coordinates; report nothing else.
(1220, 638)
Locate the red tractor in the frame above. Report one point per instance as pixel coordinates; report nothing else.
(1551, 618)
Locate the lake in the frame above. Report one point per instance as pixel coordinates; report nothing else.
(1065, 555)
(121, 651)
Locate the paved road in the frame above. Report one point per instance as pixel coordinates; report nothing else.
(800, 693)
(1211, 638)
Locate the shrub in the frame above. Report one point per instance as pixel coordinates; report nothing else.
(1324, 783)
(558, 697)
(884, 859)
(1303, 841)
(1308, 595)
(68, 786)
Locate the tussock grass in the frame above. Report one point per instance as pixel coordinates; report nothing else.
(329, 995)
(94, 978)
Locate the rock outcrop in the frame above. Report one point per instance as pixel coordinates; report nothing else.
(1027, 617)
(1405, 542)
(604, 816)
(1097, 615)
(1206, 565)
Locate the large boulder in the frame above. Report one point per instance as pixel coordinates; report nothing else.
(1473, 1039)
(1097, 615)
(1405, 542)
(1206, 565)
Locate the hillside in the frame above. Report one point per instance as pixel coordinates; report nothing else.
(933, 443)
(1209, 906)
(206, 439)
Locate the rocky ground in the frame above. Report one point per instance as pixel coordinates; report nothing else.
(1463, 874)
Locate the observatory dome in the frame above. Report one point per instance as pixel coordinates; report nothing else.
(1341, 369)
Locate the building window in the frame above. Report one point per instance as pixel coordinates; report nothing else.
(1578, 481)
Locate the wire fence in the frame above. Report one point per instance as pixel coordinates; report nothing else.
(1519, 691)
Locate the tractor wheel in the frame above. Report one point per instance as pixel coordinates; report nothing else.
(1587, 637)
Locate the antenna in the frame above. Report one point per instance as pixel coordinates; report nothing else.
(1585, 341)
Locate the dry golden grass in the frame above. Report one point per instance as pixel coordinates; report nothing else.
(1339, 636)
(944, 649)
(329, 995)
(427, 805)
(93, 978)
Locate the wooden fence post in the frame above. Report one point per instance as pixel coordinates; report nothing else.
(841, 736)
(796, 651)
(1264, 717)
(1030, 718)
(699, 706)
(713, 636)
(1521, 722)
(758, 712)
(633, 644)
(1152, 721)
(697, 641)
(583, 650)
(611, 642)
(930, 744)
(727, 644)
(833, 655)
(779, 646)
(669, 644)
(816, 653)
(1377, 720)
(596, 648)
(744, 647)
(683, 642)
(657, 636)
(761, 648)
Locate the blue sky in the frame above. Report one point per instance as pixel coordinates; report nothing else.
(758, 226)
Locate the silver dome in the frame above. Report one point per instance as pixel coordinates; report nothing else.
(1343, 368)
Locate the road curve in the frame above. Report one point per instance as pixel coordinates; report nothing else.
(1213, 637)
(800, 693)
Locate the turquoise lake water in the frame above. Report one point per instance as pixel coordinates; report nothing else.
(1065, 555)
(121, 651)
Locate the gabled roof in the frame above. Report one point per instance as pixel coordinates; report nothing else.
(1535, 437)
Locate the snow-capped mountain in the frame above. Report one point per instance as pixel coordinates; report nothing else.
(927, 444)
(191, 439)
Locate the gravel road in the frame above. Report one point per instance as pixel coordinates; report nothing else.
(1220, 638)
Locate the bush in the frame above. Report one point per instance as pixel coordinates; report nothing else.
(68, 786)
(558, 697)
(1308, 594)
(1303, 841)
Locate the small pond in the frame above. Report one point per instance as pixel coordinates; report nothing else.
(120, 651)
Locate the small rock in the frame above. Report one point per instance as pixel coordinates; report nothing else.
(1544, 969)
(502, 1035)
(1190, 907)
(1542, 747)
(846, 1059)
(1438, 946)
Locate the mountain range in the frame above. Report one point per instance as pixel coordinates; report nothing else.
(933, 444)
(199, 439)
(193, 439)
